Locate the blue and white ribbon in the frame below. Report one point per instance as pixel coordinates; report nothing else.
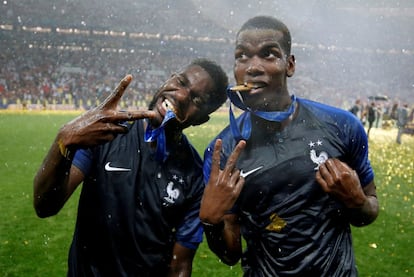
(158, 134)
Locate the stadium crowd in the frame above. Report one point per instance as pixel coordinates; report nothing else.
(332, 69)
(37, 73)
(78, 79)
(49, 76)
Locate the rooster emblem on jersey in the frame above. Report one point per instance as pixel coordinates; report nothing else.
(323, 156)
(317, 159)
(172, 193)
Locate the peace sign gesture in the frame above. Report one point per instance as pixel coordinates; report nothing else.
(102, 123)
(224, 186)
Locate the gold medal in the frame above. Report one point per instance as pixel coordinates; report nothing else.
(244, 87)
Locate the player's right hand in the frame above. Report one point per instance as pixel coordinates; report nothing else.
(102, 123)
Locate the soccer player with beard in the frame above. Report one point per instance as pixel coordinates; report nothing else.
(138, 211)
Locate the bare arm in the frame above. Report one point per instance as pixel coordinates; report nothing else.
(56, 178)
(182, 261)
(224, 239)
(339, 180)
(368, 212)
(223, 230)
(54, 183)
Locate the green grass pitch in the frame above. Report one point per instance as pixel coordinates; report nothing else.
(30, 246)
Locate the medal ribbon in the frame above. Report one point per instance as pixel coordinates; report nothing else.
(236, 99)
(158, 134)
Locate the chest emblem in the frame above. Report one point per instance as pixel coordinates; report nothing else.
(320, 158)
(172, 193)
(276, 224)
(173, 190)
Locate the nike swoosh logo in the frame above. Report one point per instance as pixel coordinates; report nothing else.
(245, 174)
(108, 167)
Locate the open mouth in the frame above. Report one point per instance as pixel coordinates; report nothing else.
(168, 106)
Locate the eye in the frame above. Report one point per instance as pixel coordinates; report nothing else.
(240, 55)
(271, 53)
(268, 53)
(181, 80)
(197, 100)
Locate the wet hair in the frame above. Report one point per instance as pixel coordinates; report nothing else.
(217, 96)
(269, 22)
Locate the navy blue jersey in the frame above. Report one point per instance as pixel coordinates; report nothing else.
(291, 226)
(132, 208)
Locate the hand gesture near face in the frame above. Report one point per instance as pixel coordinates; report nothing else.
(224, 186)
(102, 123)
(339, 180)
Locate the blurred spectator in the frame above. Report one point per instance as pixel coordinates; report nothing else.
(402, 120)
(379, 115)
(356, 108)
(371, 115)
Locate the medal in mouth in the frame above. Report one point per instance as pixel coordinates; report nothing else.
(168, 106)
(158, 134)
(244, 87)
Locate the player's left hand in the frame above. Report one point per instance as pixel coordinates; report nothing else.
(341, 181)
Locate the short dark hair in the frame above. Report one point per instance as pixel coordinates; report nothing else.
(217, 96)
(269, 22)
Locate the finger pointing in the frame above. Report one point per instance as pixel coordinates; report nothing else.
(132, 115)
(232, 161)
(112, 100)
(215, 165)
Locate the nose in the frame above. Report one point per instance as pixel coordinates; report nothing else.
(179, 94)
(182, 94)
(254, 67)
(182, 97)
(174, 88)
(168, 86)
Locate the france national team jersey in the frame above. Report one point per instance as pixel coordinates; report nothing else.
(290, 224)
(132, 208)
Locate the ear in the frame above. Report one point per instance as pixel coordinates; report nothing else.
(201, 120)
(290, 66)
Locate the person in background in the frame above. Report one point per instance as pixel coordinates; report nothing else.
(402, 120)
(371, 116)
(289, 175)
(142, 179)
(379, 115)
(356, 107)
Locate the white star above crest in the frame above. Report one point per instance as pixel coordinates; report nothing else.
(313, 144)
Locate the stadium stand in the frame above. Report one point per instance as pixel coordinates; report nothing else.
(69, 54)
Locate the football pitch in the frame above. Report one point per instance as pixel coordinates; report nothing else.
(30, 246)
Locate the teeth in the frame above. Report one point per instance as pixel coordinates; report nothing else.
(169, 106)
